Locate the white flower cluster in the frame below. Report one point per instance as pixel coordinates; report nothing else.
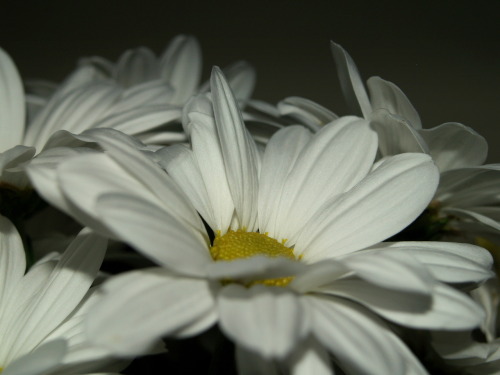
(244, 237)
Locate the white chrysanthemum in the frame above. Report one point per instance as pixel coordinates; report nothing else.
(85, 100)
(41, 312)
(467, 189)
(289, 276)
(179, 66)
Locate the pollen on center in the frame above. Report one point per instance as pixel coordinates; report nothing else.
(242, 244)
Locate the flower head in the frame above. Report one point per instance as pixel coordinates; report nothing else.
(41, 311)
(291, 267)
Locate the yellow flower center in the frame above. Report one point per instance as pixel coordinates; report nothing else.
(242, 244)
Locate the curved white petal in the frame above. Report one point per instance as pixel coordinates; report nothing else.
(470, 214)
(319, 274)
(266, 320)
(307, 112)
(448, 262)
(12, 260)
(350, 82)
(280, 156)
(180, 66)
(247, 270)
(79, 110)
(149, 93)
(448, 309)
(379, 206)
(42, 173)
(13, 163)
(140, 120)
(63, 290)
(180, 164)
(311, 358)
(395, 134)
(360, 342)
(388, 96)
(12, 107)
(390, 270)
(326, 167)
(241, 78)
(453, 145)
(156, 233)
(142, 306)
(473, 186)
(136, 66)
(239, 151)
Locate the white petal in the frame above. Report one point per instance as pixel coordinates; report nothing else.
(12, 259)
(142, 119)
(241, 78)
(311, 358)
(148, 173)
(180, 164)
(350, 82)
(470, 214)
(280, 156)
(328, 166)
(306, 112)
(150, 93)
(136, 66)
(447, 261)
(181, 67)
(84, 178)
(142, 306)
(43, 175)
(474, 186)
(62, 291)
(266, 320)
(454, 145)
(255, 268)
(381, 205)
(319, 274)
(208, 155)
(12, 107)
(40, 361)
(158, 234)
(390, 270)
(239, 151)
(449, 310)
(359, 341)
(396, 135)
(12, 165)
(387, 95)
(79, 110)
(397, 191)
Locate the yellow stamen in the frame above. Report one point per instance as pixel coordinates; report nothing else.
(242, 244)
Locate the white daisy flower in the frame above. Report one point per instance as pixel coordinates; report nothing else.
(83, 101)
(296, 271)
(467, 190)
(179, 67)
(42, 310)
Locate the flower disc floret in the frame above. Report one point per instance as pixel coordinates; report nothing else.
(241, 244)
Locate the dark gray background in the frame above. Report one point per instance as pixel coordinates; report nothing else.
(443, 54)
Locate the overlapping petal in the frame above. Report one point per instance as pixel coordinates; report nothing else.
(153, 304)
(266, 320)
(12, 107)
(239, 152)
(381, 205)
